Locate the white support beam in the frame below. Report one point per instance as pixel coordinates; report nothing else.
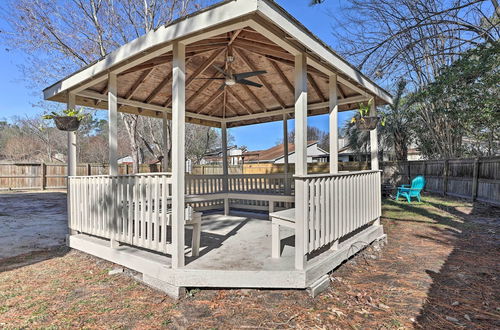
(333, 121)
(178, 152)
(285, 152)
(374, 140)
(113, 124)
(314, 106)
(225, 171)
(147, 106)
(72, 159)
(300, 82)
(166, 142)
(71, 155)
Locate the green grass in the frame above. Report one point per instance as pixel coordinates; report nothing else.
(431, 210)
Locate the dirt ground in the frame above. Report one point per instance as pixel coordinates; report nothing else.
(31, 221)
(439, 270)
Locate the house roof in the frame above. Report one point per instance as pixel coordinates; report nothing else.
(261, 36)
(273, 153)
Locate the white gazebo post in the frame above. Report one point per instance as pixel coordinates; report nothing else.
(71, 157)
(374, 148)
(334, 135)
(225, 171)
(113, 124)
(374, 140)
(285, 152)
(333, 120)
(166, 142)
(300, 156)
(178, 152)
(113, 151)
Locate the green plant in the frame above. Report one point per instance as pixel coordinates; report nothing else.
(78, 113)
(364, 111)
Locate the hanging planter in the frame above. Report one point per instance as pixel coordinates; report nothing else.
(67, 123)
(69, 120)
(363, 121)
(367, 123)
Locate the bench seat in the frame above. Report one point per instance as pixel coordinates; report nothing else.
(284, 218)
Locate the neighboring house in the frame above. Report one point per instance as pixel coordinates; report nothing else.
(215, 157)
(276, 154)
(126, 160)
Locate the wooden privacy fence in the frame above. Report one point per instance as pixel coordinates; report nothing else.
(477, 179)
(26, 176)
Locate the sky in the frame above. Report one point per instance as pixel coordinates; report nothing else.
(17, 99)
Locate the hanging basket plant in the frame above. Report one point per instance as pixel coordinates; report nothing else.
(68, 120)
(363, 121)
(367, 123)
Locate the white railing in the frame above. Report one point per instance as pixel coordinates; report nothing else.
(248, 183)
(131, 209)
(270, 184)
(204, 184)
(338, 204)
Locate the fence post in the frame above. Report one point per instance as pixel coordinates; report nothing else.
(475, 177)
(43, 177)
(89, 169)
(409, 170)
(445, 179)
(425, 172)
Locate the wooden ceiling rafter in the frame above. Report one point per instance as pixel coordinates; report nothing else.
(144, 75)
(254, 97)
(316, 88)
(261, 78)
(103, 91)
(234, 36)
(209, 101)
(340, 90)
(262, 50)
(159, 87)
(233, 111)
(200, 70)
(239, 100)
(201, 89)
(162, 60)
(282, 75)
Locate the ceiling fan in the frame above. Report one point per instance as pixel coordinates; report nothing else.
(230, 78)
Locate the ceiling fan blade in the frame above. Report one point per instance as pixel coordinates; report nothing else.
(248, 82)
(220, 70)
(219, 78)
(239, 76)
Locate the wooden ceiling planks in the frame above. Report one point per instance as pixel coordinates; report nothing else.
(150, 82)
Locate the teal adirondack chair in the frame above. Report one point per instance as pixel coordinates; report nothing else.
(412, 191)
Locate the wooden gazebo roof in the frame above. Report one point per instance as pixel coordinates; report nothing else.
(259, 34)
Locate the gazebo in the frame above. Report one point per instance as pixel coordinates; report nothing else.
(239, 62)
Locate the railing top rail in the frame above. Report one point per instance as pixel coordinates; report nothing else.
(121, 175)
(328, 175)
(267, 175)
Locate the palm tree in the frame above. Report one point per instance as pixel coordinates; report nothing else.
(393, 136)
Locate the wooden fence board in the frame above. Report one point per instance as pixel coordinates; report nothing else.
(468, 178)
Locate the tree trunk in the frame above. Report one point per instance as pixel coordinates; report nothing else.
(131, 126)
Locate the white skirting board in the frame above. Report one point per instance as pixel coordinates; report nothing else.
(157, 271)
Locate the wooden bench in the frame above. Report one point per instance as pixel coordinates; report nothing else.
(284, 218)
(271, 198)
(192, 219)
(262, 197)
